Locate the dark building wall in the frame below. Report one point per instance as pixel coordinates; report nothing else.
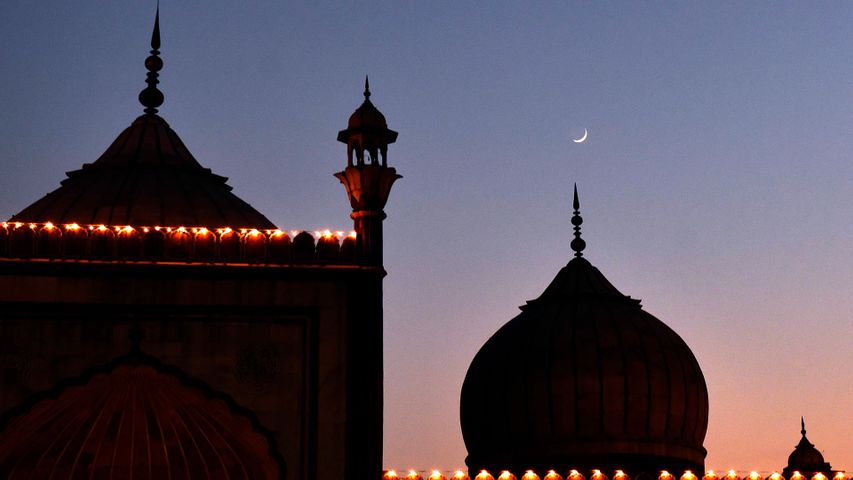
(300, 347)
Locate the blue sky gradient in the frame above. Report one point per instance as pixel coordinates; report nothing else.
(715, 184)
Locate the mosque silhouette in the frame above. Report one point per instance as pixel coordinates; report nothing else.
(155, 325)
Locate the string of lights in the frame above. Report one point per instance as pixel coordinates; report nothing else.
(596, 475)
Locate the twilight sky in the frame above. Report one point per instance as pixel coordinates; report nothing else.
(715, 184)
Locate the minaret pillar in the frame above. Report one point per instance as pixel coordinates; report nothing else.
(368, 187)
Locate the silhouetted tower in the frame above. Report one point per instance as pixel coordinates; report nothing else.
(806, 459)
(368, 181)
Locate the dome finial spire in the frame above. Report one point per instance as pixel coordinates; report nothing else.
(151, 97)
(366, 87)
(803, 426)
(577, 244)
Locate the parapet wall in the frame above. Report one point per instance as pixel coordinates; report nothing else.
(127, 243)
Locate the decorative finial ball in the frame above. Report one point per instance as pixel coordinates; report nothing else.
(578, 244)
(154, 63)
(577, 220)
(151, 97)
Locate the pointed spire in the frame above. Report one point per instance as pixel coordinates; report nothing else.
(803, 426)
(151, 97)
(366, 88)
(577, 244)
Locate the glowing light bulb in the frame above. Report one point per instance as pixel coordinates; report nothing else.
(459, 475)
(413, 475)
(48, 226)
(484, 475)
(390, 475)
(530, 475)
(552, 475)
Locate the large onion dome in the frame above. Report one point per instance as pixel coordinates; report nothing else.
(584, 379)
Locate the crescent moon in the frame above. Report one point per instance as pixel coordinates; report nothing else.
(581, 140)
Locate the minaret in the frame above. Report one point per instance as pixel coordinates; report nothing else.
(368, 180)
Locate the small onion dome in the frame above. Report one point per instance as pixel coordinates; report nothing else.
(367, 130)
(585, 378)
(134, 419)
(805, 458)
(367, 116)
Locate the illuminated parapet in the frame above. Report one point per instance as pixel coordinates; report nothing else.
(595, 475)
(127, 243)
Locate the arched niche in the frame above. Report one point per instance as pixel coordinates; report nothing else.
(135, 418)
